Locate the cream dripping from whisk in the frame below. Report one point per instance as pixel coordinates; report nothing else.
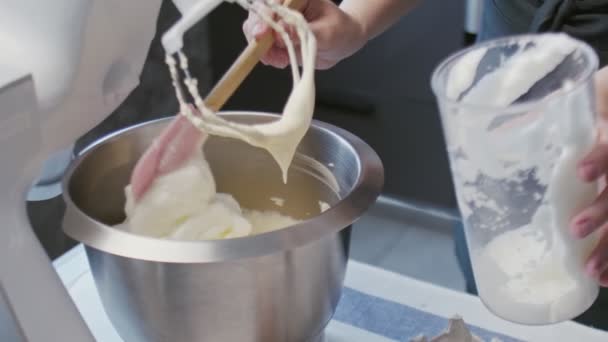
(183, 203)
(280, 138)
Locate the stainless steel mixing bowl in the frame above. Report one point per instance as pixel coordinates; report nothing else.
(277, 286)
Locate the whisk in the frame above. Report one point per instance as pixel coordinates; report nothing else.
(277, 137)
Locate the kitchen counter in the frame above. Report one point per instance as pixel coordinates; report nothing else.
(376, 306)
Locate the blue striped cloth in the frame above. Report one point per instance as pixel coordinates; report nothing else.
(394, 320)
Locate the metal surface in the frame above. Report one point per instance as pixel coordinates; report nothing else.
(277, 286)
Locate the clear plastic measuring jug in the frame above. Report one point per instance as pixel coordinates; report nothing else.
(518, 113)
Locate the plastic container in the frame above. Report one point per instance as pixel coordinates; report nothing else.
(518, 114)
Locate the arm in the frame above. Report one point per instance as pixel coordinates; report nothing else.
(377, 16)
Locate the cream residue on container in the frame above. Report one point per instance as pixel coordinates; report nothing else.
(534, 273)
(184, 204)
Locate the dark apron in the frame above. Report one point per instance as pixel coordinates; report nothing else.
(584, 19)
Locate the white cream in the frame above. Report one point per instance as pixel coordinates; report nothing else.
(278, 201)
(267, 221)
(324, 206)
(462, 74)
(520, 72)
(532, 274)
(184, 205)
